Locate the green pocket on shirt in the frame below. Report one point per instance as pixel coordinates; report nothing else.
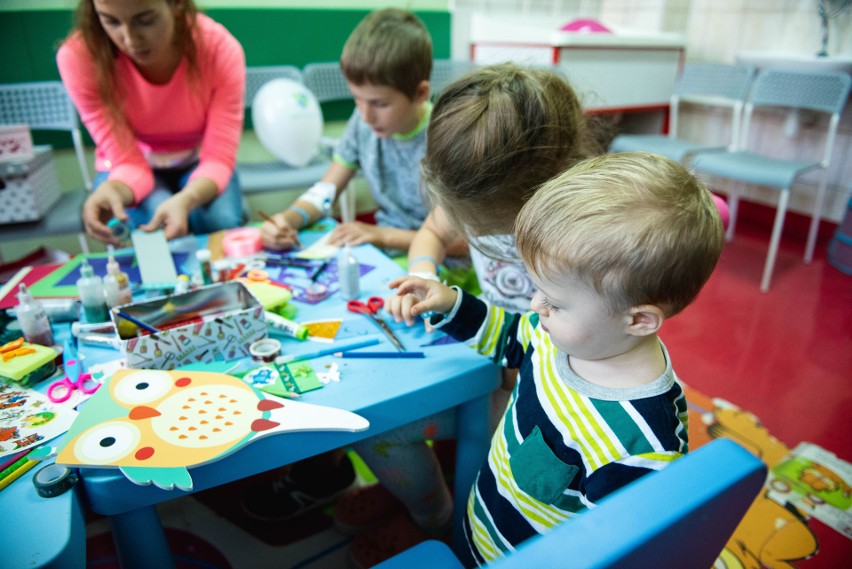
(538, 471)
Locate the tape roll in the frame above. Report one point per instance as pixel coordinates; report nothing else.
(242, 242)
(265, 350)
(53, 480)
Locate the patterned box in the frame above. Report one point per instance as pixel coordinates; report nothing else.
(16, 143)
(217, 322)
(28, 188)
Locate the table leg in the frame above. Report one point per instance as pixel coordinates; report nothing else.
(140, 540)
(471, 449)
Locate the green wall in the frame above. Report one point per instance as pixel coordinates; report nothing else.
(270, 36)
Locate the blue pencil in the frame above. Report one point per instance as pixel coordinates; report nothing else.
(286, 359)
(365, 355)
(141, 324)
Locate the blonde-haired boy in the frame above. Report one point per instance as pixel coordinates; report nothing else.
(615, 245)
(387, 62)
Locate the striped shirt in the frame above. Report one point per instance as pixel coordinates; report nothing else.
(563, 443)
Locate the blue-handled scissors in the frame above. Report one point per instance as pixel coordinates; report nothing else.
(60, 391)
(371, 309)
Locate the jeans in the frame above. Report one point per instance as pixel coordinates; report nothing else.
(224, 212)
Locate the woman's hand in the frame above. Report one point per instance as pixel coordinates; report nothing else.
(172, 216)
(106, 202)
(279, 234)
(420, 296)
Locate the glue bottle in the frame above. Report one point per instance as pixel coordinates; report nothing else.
(91, 290)
(116, 283)
(348, 272)
(33, 319)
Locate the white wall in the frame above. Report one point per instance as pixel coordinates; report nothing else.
(716, 30)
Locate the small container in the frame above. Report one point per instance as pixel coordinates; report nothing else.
(91, 290)
(349, 274)
(116, 283)
(33, 319)
(206, 267)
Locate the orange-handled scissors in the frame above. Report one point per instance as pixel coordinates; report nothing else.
(60, 391)
(371, 309)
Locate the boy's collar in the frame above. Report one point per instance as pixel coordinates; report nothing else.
(421, 125)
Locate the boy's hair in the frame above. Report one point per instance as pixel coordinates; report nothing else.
(390, 47)
(495, 135)
(104, 52)
(636, 226)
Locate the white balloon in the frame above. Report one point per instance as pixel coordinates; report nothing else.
(288, 121)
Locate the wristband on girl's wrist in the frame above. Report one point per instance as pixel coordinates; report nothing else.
(424, 258)
(306, 217)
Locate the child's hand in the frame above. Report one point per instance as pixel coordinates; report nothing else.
(278, 234)
(427, 296)
(356, 233)
(399, 307)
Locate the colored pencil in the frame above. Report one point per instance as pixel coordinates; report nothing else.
(275, 223)
(17, 473)
(286, 359)
(388, 355)
(140, 323)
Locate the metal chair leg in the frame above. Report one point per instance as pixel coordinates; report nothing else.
(774, 241)
(813, 232)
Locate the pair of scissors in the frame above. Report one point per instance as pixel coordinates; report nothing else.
(371, 309)
(61, 391)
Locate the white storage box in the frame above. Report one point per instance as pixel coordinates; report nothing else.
(28, 188)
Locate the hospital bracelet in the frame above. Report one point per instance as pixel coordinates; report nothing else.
(306, 217)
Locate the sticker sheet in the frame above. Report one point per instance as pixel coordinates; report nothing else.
(27, 419)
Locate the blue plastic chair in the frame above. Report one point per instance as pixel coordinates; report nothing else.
(709, 84)
(820, 92)
(681, 516)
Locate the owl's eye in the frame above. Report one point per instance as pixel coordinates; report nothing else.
(107, 442)
(142, 386)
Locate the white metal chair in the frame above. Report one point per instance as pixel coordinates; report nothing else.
(256, 177)
(820, 92)
(45, 105)
(710, 84)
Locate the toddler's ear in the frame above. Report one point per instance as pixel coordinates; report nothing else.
(645, 320)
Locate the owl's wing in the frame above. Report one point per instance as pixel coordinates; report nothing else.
(165, 478)
(288, 416)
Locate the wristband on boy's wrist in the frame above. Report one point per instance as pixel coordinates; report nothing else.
(306, 217)
(425, 275)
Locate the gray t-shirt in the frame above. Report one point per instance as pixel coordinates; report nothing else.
(391, 167)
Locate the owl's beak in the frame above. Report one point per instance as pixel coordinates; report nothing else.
(143, 412)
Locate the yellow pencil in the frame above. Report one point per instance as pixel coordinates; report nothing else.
(17, 473)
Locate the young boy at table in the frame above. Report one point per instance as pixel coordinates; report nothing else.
(387, 62)
(615, 246)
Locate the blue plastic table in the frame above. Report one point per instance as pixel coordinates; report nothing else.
(381, 390)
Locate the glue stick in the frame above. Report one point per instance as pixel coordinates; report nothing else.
(116, 283)
(289, 327)
(203, 256)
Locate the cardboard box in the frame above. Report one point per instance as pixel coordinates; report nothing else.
(28, 187)
(212, 323)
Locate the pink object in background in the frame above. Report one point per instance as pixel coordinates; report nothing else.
(585, 26)
(724, 213)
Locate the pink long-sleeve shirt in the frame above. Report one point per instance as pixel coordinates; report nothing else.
(178, 118)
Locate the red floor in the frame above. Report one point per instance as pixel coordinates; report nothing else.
(784, 355)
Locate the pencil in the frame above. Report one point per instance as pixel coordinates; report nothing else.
(286, 359)
(275, 223)
(385, 355)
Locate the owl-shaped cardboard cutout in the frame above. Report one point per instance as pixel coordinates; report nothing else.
(155, 424)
